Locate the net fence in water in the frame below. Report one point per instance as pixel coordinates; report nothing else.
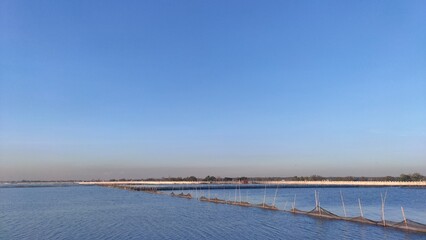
(408, 225)
(324, 213)
(318, 211)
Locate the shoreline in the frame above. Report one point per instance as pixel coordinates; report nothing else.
(280, 183)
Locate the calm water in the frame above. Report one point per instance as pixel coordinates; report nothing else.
(106, 213)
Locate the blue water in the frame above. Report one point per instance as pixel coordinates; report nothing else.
(107, 213)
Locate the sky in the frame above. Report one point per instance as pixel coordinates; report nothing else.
(138, 89)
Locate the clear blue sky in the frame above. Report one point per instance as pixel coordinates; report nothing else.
(108, 89)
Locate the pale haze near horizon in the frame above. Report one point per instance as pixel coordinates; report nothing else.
(138, 89)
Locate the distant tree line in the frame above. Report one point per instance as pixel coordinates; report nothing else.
(412, 177)
(402, 177)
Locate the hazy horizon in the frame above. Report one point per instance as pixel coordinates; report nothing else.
(139, 89)
(108, 173)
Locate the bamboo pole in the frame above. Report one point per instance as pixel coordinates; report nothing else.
(319, 203)
(264, 197)
(275, 197)
(343, 203)
(403, 216)
(294, 203)
(239, 190)
(383, 208)
(316, 200)
(360, 208)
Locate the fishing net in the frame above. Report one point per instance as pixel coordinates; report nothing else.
(318, 211)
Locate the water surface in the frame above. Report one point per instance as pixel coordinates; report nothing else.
(108, 213)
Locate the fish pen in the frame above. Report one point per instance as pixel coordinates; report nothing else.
(406, 224)
(317, 212)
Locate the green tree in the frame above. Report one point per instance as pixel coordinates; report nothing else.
(316, 178)
(416, 177)
(404, 177)
(191, 178)
(389, 178)
(210, 179)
